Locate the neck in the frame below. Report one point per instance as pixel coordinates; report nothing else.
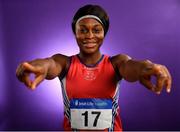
(90, 59)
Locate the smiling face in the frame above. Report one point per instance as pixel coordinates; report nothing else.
(89, 35)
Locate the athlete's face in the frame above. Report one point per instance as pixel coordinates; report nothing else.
(89, 35)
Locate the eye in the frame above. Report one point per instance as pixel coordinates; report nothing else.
(83, 30)
(97, 30)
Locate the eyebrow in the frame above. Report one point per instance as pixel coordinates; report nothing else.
(95, 25)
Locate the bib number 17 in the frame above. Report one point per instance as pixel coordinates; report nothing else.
(86, 115)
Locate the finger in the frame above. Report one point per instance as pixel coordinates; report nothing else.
(153, 69)
(168, 81)
(168, 85)
(160, 83)
(27, 81)
(148, 70)
(30, 68)
(147, 83)
(37, 81)
(158, 71)
(17, 71)
(20, 73)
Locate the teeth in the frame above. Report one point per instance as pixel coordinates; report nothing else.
(89, 45)
(88, 42)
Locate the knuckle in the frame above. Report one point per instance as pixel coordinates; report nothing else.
(163, 76)
(160, 70)
(24, 64)
(158, 67)
(147, 61)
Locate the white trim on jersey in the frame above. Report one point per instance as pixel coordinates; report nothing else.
(65, 98)
(115, 106)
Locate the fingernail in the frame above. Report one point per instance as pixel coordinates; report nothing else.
(33, 87)
(158, 92)
(168, 90)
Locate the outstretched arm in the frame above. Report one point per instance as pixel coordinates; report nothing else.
(142, 71)
(47, 68)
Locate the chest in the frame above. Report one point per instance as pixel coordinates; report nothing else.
(94, 82)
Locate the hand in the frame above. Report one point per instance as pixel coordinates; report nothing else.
(23, 74)
(163, 77)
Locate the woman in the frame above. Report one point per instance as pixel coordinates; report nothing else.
(90, 79)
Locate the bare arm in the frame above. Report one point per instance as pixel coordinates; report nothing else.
(47, 68)
(142, 71)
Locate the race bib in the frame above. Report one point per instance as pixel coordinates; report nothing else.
(91, 114)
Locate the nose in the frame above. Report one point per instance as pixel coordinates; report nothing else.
(90, 34)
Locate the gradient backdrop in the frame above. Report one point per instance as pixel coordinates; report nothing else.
(143, 29)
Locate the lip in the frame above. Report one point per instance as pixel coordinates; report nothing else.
(89, 44)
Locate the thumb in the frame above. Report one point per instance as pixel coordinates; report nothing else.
(37, 81)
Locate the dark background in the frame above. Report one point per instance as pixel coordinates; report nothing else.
(143, 29)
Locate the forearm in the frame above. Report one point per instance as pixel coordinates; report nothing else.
(132, 69)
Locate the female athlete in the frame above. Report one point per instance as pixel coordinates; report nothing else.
(90, 78)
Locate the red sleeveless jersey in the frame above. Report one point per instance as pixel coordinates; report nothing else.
(98, 81)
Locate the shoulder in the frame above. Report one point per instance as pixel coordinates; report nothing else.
(61, 59)
(119, 59)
